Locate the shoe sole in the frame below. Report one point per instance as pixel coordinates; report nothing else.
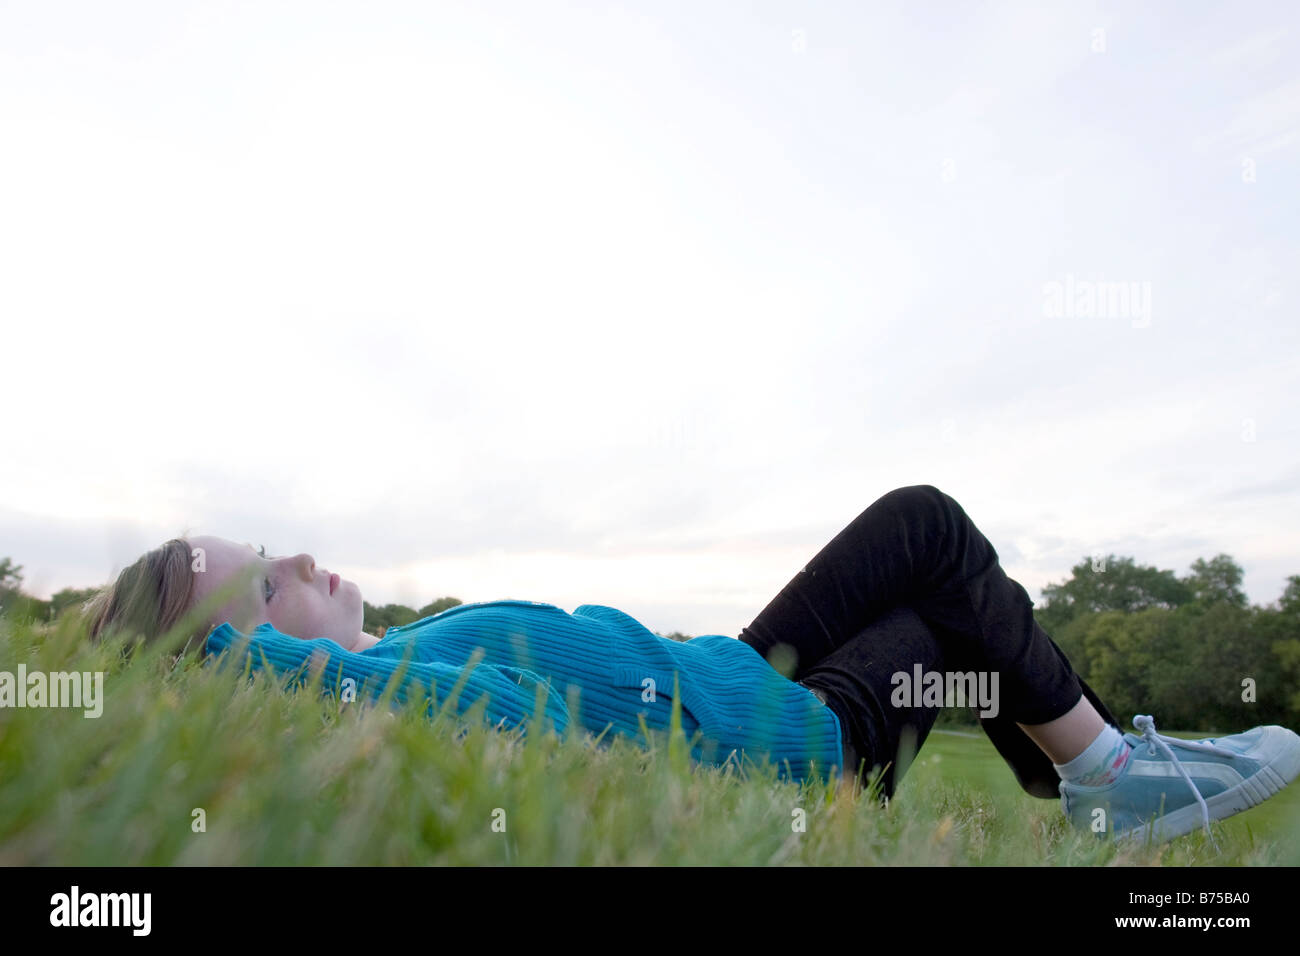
(1278, 751)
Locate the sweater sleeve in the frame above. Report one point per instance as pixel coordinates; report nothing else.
(510, 692)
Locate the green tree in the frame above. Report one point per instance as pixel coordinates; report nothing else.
(1279, 626)
(70, 598)
(1071, 637)
(438, 606)
(1109, 584)
(1186, 651)
(1216, 650)
(10, 574)
(13, 602)
(1216, 581)
(1121, 649)
(376, 620)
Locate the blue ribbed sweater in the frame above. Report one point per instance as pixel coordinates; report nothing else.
(609, 666)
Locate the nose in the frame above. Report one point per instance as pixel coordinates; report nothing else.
(306, 565)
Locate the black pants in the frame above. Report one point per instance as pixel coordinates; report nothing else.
(912, 581)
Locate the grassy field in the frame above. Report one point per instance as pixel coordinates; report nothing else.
(188, 766)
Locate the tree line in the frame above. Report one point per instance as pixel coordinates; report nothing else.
(1188, 650)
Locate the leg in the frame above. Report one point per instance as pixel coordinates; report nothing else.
(1067, 736)
(915, 546)
(856, 681)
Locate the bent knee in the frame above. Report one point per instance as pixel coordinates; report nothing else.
(911, 497)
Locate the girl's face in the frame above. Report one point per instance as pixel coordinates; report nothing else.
(290, 592)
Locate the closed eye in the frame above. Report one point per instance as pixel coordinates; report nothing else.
(268, 590)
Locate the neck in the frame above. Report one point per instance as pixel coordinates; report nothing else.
(363, 641)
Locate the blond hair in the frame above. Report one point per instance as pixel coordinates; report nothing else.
(149, 598)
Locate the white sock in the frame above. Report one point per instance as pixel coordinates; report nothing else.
(1101, 762)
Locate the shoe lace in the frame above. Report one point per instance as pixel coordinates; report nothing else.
(1147, 724)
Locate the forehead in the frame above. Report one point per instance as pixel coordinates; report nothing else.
(224, 551)
(222, 560)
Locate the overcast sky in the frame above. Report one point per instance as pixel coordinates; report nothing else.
(638, 304)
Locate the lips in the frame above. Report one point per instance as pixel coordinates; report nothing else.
(334, 583)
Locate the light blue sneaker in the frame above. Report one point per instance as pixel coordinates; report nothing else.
(1171, 786)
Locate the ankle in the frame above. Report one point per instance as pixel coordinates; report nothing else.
(1066, 737)
(1102, 762)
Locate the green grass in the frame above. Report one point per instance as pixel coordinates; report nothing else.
(288, 778)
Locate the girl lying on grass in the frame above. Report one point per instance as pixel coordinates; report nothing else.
(909, 586)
